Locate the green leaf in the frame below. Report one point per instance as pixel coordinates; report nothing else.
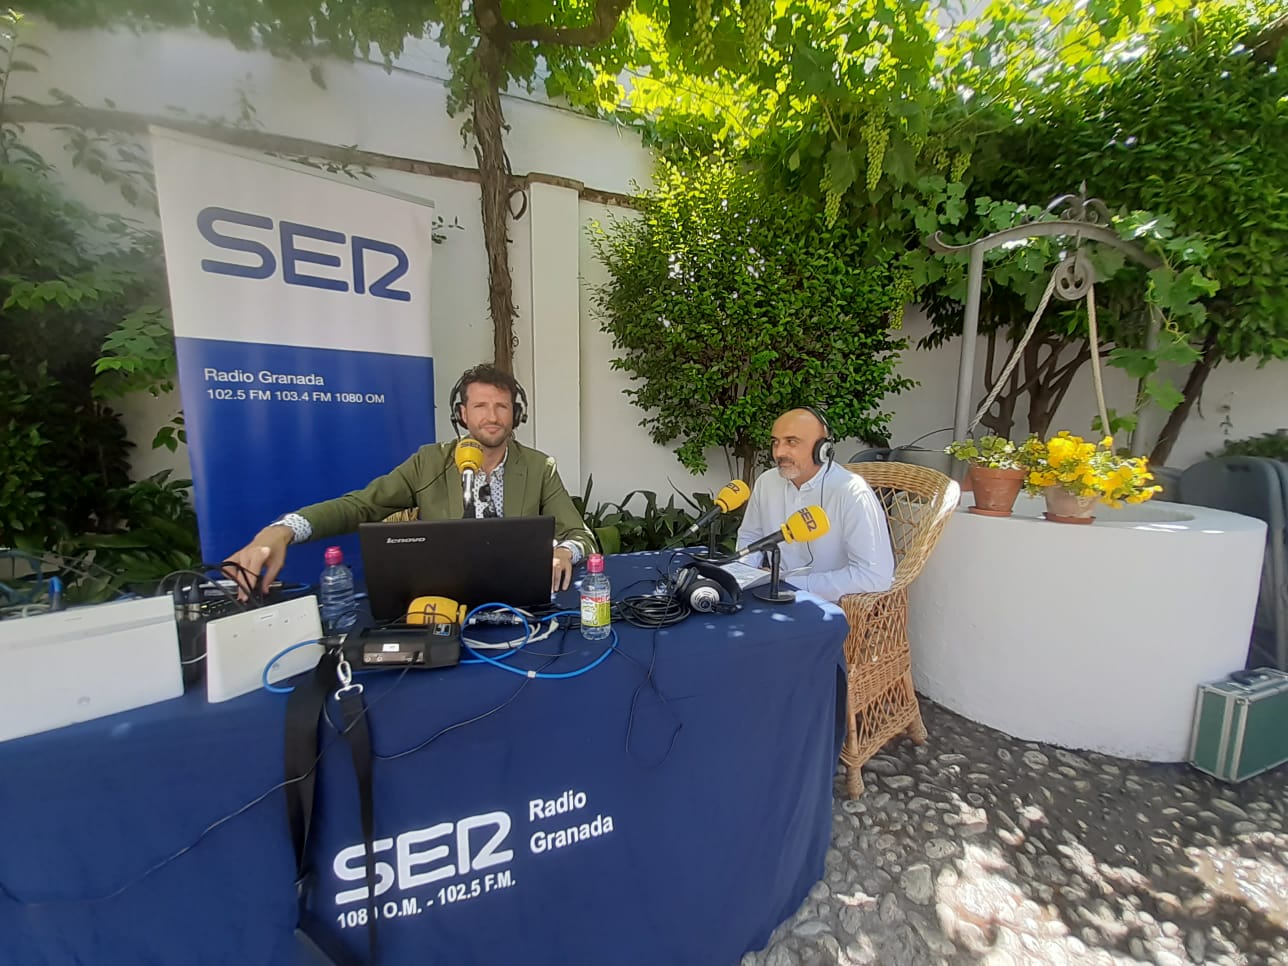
(1163, 393)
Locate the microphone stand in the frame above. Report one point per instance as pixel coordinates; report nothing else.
(774, 594)
(711, 554)
(467, 497)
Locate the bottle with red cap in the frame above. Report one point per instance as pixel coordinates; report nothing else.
(335, 594)
(596, 601)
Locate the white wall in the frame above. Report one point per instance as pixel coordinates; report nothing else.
(403, 112)
(1255, 400)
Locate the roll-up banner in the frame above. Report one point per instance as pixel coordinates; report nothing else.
(301, 318)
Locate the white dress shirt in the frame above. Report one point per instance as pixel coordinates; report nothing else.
(853, 557)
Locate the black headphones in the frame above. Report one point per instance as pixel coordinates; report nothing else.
(457, 400)
(707, 589)
(825, 448)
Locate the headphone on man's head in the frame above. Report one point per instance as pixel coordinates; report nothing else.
(825, 448)
(457, 400)
(707, 589)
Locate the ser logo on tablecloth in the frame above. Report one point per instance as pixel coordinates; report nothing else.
(418, 863)
(447, 855)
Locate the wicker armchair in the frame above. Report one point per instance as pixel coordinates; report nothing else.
(882, 703)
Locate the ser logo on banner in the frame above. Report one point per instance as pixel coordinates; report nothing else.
(293, 240)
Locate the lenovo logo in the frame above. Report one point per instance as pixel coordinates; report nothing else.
(404, 539)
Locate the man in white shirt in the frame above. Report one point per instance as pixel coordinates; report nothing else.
(854, 556)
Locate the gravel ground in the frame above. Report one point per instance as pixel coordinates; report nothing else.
(980, 848)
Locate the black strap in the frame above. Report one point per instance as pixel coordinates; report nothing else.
(304, 714)
(303, 718)
(359, 737)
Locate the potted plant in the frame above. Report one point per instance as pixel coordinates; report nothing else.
(1075, 475)
(995, 470)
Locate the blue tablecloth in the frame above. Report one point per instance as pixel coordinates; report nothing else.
(537, 835)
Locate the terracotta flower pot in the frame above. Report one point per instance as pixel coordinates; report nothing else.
(1065, 507)
(995, 490)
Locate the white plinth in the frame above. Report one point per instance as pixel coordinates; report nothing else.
(1089, 637)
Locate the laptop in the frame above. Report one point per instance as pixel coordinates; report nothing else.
(504, 560)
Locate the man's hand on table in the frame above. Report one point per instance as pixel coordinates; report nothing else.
(561, 576)
(265, 554)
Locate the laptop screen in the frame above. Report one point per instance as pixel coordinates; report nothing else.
(505, 560)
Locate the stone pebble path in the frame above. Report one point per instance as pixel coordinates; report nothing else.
(980, 848)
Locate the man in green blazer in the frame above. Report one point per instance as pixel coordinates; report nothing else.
(514, 481)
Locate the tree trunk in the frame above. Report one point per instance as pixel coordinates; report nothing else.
(1003, 421)
(494, 186)
(746, 457)
(1193, 390)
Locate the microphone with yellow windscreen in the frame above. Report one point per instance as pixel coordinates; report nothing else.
(435, 610)
(731, 496)
(802, 526)
(469, 455)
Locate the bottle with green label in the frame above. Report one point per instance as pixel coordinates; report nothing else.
(596, 601)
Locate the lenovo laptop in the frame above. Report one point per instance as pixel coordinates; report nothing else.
(505, 560)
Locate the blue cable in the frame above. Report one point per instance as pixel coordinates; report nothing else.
(273, 660)
(547, 675)
(527, 630)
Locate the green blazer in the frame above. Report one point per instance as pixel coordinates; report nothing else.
(430, 482)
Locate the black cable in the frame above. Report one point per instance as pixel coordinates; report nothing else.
(647, 580)
(447, 465)
(218, 822)
(460, 724)
(257, 595)
(945, 429)
(821, 485)
(650, 610)
(639, 689)
(203, 575)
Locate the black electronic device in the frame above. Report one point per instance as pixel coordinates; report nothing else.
(196, 603)
(707, 588)
(423, 647)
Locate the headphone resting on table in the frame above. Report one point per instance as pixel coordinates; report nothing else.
(457, 400)
(707, 589)
(825, 449)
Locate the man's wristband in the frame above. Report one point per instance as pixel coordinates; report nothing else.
(301, 529)
(574, 548)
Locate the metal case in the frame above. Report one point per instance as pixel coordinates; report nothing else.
(1241, 724)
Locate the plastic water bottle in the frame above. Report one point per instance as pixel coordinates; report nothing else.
(335, 593)
(596, 601)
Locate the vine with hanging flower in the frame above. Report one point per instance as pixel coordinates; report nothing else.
(1086, 469)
